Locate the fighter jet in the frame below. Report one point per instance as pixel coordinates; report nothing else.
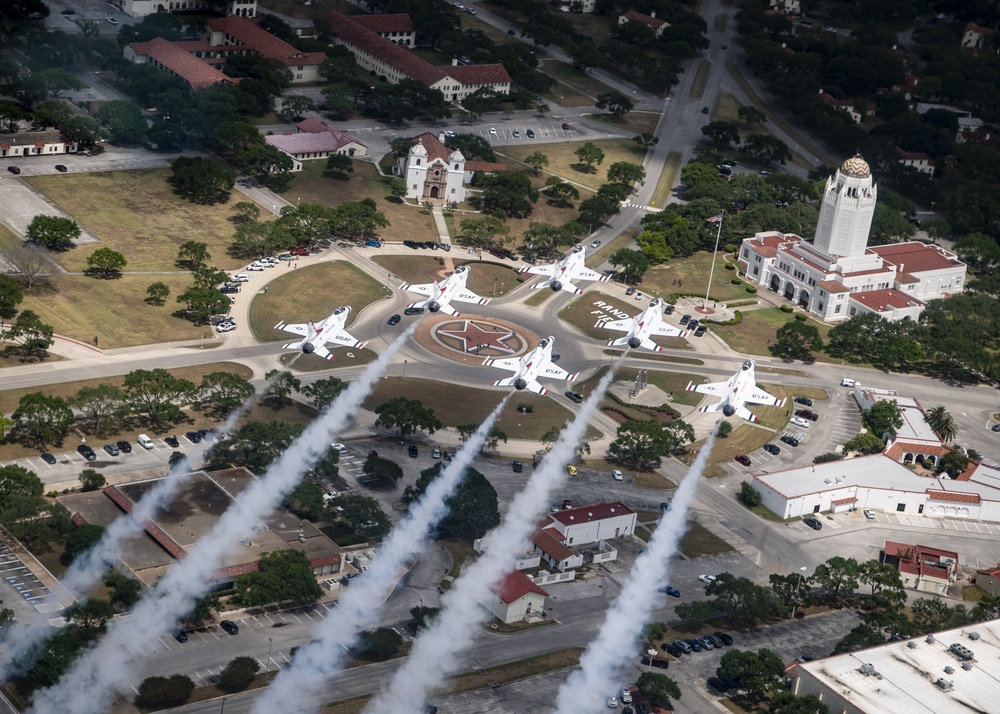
(563, 272)
(440, 294)
(316, 336)
(739, 390)
(641, 327)
(528, 368)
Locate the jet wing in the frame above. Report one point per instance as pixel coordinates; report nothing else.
(421, 289)
(619, 325)
(716, 389)
(299, 328)
(470, 297)
(759, 396)
(511, 365)
(648, 344)
(549, 269)
(342, 338)
(553, 372)
(587, 274)
(669, 331)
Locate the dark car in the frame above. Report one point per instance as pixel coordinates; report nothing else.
(704, 110)
(725, 639)
(47, 457)
(655, 661)
(672, 649)
(112, 449)
(394, 320)
(86, 452)
(807, 414)
(772, 449)
(669, 309)
(670, 590)
(715, 640)
(172, 442)
(804, 401)
(194, 437)
(812, 523)
(413, 311)
(693, 324)
(700, 332)
(517, 466)
(447, 456)
(181, 636)
(61, 169)
(683, 646)
(995, 427)
(574, 397)
(664, 506)
(206, 435)
(685, 319)
(68, 12)
(511, 32)
(567, 504)
(717, 684)
(124, 446)
(790, 440)
(695, 645)
(410, 244)
(14, 169)
(230, 627)
(565, 127)
(229, 289)
(530, 133)
(743, 459)
(630, 291)
(413, 451)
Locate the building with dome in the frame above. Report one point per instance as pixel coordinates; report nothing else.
(836, 276)
(436, 174)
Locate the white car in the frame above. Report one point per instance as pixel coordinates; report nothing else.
(618, 477)
(493, 131)
(225, 327)
(112, 20)
(869, 514)
(626, 695)
(261, 264)
(255, 268)
(329, 496)
(800, 422)
(449, 133)
(337, 446)
(612, 703)
(596, 244)
(272, 260)
(239, 278)
(640, 296)
(845, 382)
(460, 6)
(707, 579)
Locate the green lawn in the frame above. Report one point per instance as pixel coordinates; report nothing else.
(312, 293)
(670, 382)
(564, 163)
(488, 279)
(637, 121)
(692, 272)
(759, 329)
(665, 187)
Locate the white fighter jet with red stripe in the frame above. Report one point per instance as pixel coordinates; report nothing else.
(740, 389)
(641, 327)
(563, 272)
(440, 294)
(316, 336)
(528, 368)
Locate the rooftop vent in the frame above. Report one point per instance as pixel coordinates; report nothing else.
(966, 666)
(866, 668)
(961, 652)
(949, 670)
(912, 645)
(827, 481)
(929, 639)
(973, 635)
(943, 683)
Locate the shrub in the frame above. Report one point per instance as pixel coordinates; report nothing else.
(829, 456)
(736, 281)
(730, 266)
(751, 289)
(787, 308)
(169, 691)
(239, 673)
(800, 317)
(729, 248)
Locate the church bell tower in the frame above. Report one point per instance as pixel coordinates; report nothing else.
(845, 216)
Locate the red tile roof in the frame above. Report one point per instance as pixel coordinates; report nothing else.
(588, 514)
(829, 100)
(899, 448)
(979, 29)
(957, 497)
(399, 22)
(550, 545)
(842, 501)
(435, 149)
(256, 38)
(832, 286)
(653, 22)
(317, 137)
(514, 586)
(196, 73)
(915, 257)
(484, 166)
(911, 155)
(883, 300)
(393, 55)
(906, 278)
(480, 74)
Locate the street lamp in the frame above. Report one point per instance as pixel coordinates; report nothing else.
(798, 587)
(404, 369)
(651, 653)
(270, 641)
(223, 707)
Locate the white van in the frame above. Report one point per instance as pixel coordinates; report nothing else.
(848, 383)
(144, 441)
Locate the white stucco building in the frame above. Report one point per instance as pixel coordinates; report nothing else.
(436, 174)
(516, 598)
(141, 8)
(836, 275)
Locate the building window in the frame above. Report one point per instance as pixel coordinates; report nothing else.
(900, 507)
(821, 307)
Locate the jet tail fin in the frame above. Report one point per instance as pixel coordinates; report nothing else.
(648, 344)
(572, 289)
(620, 342)
(744, 413)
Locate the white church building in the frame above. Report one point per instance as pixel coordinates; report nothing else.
(836, 275)
(436, 174)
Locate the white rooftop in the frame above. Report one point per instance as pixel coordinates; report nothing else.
(915, 427)
(907, 676)
(879, 472)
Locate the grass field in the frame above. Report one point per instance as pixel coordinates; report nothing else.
(115, 310)
(637, 121)
(538, 297)
(759, 329)
(670, 382)
(582, 89)
(7, 237)
(700, 79)
(564, 163)
(581, 314)
(720, 23)
(314, 185)
(485, 276)
(137, 214)
(312, 294)
(692, 272)
(665, 187)
(463, 405)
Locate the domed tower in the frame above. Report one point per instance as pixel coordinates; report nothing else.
(845, 217)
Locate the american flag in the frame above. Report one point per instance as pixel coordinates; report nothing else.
(716, 219)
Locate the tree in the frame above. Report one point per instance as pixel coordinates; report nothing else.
(643, 443)
(6, 618)
(193, 254)
(866, 443)
(788, 703)
(293, 106)
(383, 471)
(616, 103)
(423, 617)
(749, 495)
(646, 140)
(625, 173)
(791, 590)
(106, 263)
(560, 193)
(340, 164)
(255, 240)
(406, 416)
(837, 575)
(53, 658)
(246, 212)
(154, 394)
(796, 340)
(509, 193)
(473, 507)
(284, 576)
(89, 617)
(124, 590)
(590, 154)
(378, 645)
(596, 209)
(724, 429)
(695, 613)
(239, 673)
(883, 417)
(363, 515)
(43, 419)
(766, 149)
(722, 133)
(124, 120)
(202, 303)
(358, 220)
(10, 297)
(536, 161)
(741, 599)
(953, 463)
(988, 608)
(942, 423)
(165, 692)
(397, 188)
(751, 115)
(270, 166)
(91, 480)
(324, 391)
(255, 445)
(202, 180)
(80, 540)
(885, 583)
(658, 687)
(33, 334)
(224, 391)
(281, 383)
(472, 146)
(306, 501)
(52, 232)
(632, 264)
(484, 232)
(158, 292)
(758, 672)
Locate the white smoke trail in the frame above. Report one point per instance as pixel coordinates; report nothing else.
(435, 653)
(357, 608)
(87, 687)
(619, 636)
(89, 567)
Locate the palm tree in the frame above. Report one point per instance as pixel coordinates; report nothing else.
(942, 423)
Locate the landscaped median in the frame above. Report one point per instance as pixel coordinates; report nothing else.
(585, 310)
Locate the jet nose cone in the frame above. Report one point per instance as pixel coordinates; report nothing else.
(728, 410)
(308, 348)
(634, 343)
(520, 384)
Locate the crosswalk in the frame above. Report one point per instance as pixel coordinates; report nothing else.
(630, 203)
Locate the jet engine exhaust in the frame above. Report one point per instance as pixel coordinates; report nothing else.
(433, 306)
(634, 343)
(556, 286)
(308, 348)
(728, 410)
(520, 384)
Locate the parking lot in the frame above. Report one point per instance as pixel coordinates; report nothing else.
(23, 584)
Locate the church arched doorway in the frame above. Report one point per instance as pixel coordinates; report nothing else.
(804, 299)
(775, 283)
(789, 291)
(434, 191)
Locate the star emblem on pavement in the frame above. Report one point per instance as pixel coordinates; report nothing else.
(474, 337)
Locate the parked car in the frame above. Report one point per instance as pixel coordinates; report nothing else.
(181, 636)
(700, 332)
(529, 132)
(565, 127)
(61, 168)
(516, 133)
(807, 414)
(299, 251)
(726, 640)
(869, 514)
(670, 590)
(715, 640)
(845, 382)
(695, 645)
(672, 649)
(743, 459)
(206, 435)
(813, 523)
(14, 169)
(574, 396)
(230, 627)
(493, 131)
(639, 296)
(685, 319)
(193, 436)
(172, 442)
(772, 449)
(704, 110)
(707, 579)
(86, 452)
(225, 326)
(706, 643)
(112, 21)
(683, 646)
(571, 470)
(124, 446)
(436, 453)
(413, 451)
(612, 702)
(799, 422)
(47, 458)
(693, 325)
(112, 449)
(617, 475)
(995, 427)
(669, 309)
(804, 401)
(655, 661)
(595, 244)
(717, 684)
(567, 504)
(517, 466)
(394, 320)
(239, 278)
(630, 291)
(790, 440)
(626, 695)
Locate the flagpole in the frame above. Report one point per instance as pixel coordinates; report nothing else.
(711, 272)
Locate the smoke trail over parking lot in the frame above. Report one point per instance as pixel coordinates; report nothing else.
(596, 679)
(435, 652)
(357, 608)
(87, 687)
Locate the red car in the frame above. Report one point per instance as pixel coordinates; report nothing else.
(743, 459)
(807, 414)
(299, 251)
